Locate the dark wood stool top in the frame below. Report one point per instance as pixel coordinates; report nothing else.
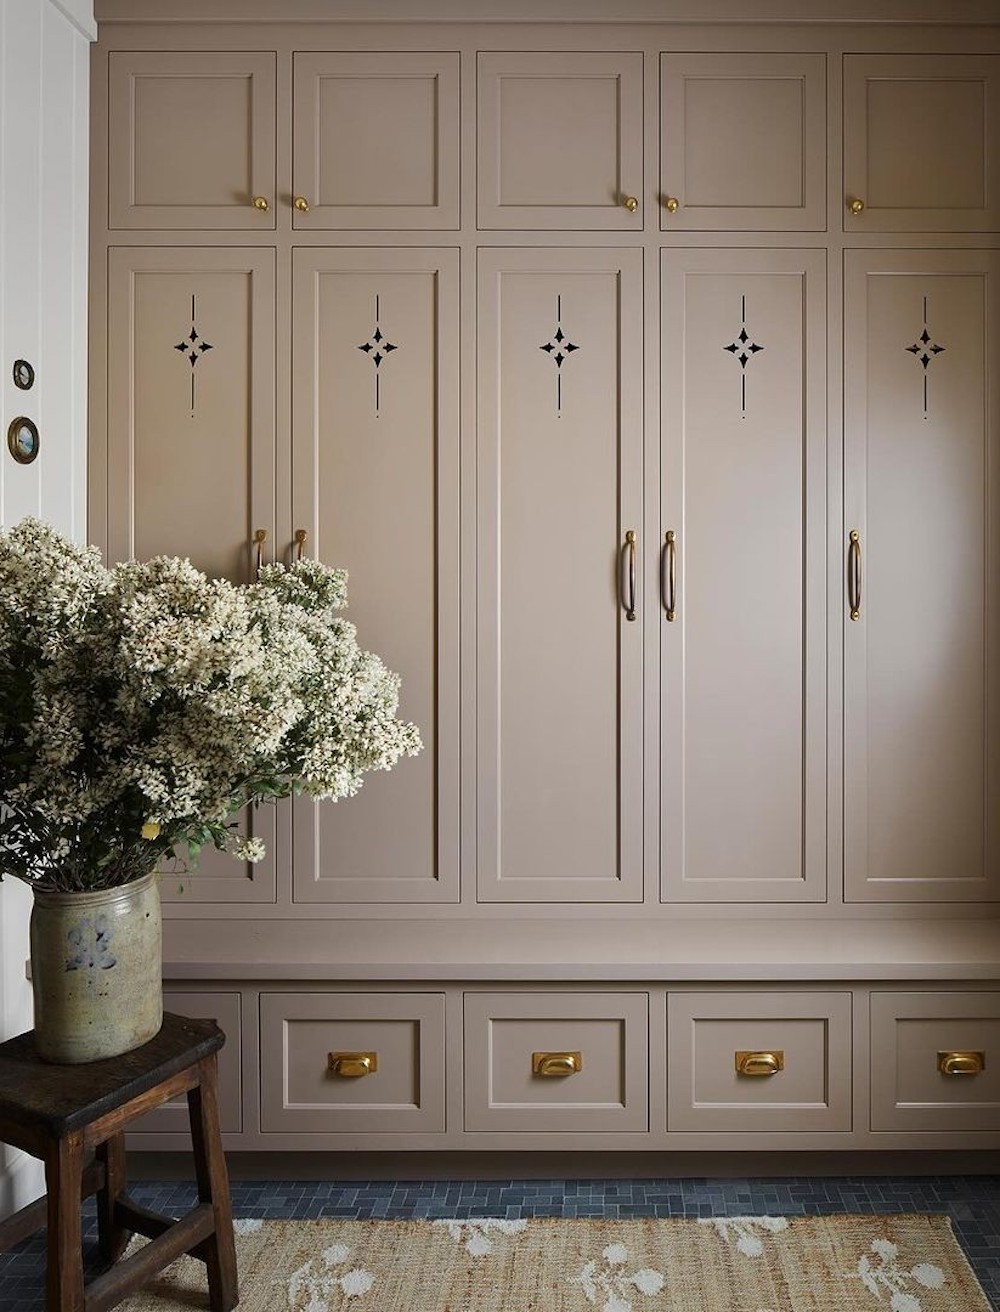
(62, 1098)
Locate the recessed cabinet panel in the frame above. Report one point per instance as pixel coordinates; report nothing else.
(921, 143)
(191, 451)
(192, 139)
(742, 550)
(743, 142)
(375, 402)
(334, 1062)
(559, 659)
(224, 1009)
(922, 658)
(759, 1061)
(376, 141)
(556, 1061)
(935, 1061)
(560, 140)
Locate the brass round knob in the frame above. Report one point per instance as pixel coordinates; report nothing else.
(671, 204)
(631, 203)
(855, 204)
(260, 203)
(301, 204)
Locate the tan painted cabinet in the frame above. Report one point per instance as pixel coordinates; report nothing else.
(375, 465)
(559, 647)
(921, 143)
(921, 561)
(742, 613)
(742, 142)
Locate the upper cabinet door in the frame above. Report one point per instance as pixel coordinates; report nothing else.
(922, 633)
(560, 141)
(375, 140)
(743, 580)
(742, 142)
(375, 469)
(192, 140)
(559, 778)
(921, 143)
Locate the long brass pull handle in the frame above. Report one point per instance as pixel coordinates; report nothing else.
(628, 575)
(854, 575)
(300, 541)
(753, 1064)
(352, 1065)
(260, 537)
(668, 575)
(556, 1064)
(961, 1063)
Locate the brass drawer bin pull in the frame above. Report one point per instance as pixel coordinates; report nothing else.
(961, 1063)
(753, 1064)
(352, 1065)
(558, 1064)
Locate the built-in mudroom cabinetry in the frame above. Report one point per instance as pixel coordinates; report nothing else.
(644, 377)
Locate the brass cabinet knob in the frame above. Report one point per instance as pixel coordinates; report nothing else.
(631, 203)
(301, 204)
(558, 1064)
(671, 204)
(752, 1064)
(352, 1065)
(961, 1063)
(855, 204)
(260, 203)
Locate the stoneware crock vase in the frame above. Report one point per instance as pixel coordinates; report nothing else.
(96, 971)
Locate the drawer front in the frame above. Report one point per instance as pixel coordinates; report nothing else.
(224, 1009)
(556, 1061)
(759, 1061)
(913, 1037)
(352, 1062)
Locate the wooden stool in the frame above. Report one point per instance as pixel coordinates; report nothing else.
(61, 1113)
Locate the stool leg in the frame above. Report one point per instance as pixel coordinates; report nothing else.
(112, 1238)
(213, 1187)
(63, 1177)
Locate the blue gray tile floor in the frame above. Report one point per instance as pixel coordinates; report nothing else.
(972, 1202)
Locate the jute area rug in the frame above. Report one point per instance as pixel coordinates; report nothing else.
(736, 1264)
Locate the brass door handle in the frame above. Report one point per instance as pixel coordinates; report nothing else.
(300, 541)
(753, 1064)
(301, 204)
(631, 203)
(556, 1064)
(260, 203)
(855, 204)
(961, 1063)
(352, 1065)
(668, 575)
(671, 204)
(854, 574)
(260, 537)
(628, 575)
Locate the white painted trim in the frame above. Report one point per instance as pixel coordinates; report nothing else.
(81, 14)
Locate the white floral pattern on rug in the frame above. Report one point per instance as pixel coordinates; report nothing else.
(312, 1286)
(613, 1283)
(475, 1231)
(886, 1276)
(741, 1231)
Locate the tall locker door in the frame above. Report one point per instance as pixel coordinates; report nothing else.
(559, 656)
(375, 489)
(743, 576)
(922, 640)
(191, 450)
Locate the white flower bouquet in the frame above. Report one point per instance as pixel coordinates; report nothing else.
(142, 706)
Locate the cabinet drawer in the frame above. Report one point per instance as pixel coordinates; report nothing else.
(224, 1009)
(794, 1051)
(556, 1061)
(912, 1037)
(352, 1062)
